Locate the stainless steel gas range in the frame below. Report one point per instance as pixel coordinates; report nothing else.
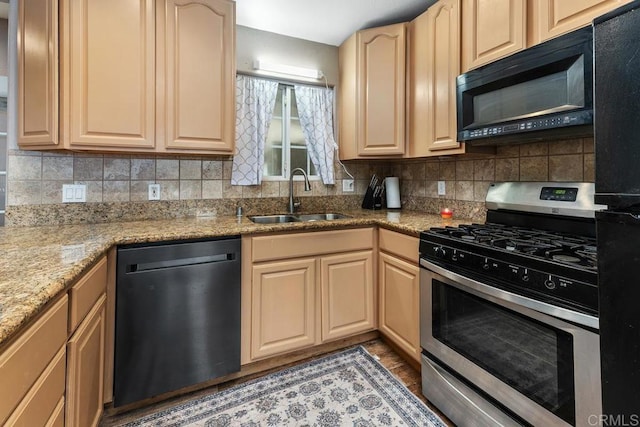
(509, 310)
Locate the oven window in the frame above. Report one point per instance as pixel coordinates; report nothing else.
(531, 357)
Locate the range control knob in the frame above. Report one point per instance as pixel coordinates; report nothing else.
(439, 251)
(549, 283)
(485, 265)
(525, 275)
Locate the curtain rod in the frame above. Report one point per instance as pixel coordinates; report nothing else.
(286, 82)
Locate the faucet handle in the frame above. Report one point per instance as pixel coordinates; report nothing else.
(296, 204)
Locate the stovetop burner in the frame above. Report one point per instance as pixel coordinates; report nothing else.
(576, 251)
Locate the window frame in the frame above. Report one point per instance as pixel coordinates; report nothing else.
(286, 147)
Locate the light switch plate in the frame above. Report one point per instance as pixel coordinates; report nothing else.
(348, 186)
(441, 188)
(74, 193)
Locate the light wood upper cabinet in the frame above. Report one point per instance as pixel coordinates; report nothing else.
(434, 58)
(371, 96)
(38, 73)
(198, 71)
(108, 73)
(381, 90)
(492, 29)
(347, 289)
(551, 18)
(161, 80)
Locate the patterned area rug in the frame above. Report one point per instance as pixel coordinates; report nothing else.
(345, 389)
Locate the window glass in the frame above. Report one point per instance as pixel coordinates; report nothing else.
(286, 148)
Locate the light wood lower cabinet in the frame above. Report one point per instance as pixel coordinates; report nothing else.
(348, 302)
(283, 306)
(85, 370)
(303, 289)
(30, 367)
(399, 287)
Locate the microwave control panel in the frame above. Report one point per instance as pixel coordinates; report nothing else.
(529, 125)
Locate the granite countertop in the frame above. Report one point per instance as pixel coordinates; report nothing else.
(39, 263)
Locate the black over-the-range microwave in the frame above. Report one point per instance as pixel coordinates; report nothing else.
(541, 93)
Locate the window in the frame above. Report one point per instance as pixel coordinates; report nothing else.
(285, 148)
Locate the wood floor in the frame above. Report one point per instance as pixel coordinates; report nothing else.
(391, 360)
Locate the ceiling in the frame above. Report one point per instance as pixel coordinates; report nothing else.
(325, 21)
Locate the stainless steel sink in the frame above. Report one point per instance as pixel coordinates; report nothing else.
(321, 217)
(273, 219)
(278, 219)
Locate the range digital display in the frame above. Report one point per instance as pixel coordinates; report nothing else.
(561, 194)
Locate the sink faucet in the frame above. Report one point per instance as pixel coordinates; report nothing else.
(307, 187)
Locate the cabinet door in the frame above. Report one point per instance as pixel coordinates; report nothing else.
(282, 306)
(85, 369)
(443, 63)
(38, 73)
(491, 29)
(399, 303)
(348, 304)
(196, 45)
(108, 74)
(381, 90)
(550, 18)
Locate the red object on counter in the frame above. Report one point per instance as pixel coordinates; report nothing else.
(446, 213)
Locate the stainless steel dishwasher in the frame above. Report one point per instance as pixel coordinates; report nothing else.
(177, 316)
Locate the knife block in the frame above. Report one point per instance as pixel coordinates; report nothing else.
(370, 202)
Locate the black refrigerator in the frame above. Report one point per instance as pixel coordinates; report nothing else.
(617, 164)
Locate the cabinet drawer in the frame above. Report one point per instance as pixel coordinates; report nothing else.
(40, 404)
(266, 248)
(399, 244)
(84, 294)
(23, 362)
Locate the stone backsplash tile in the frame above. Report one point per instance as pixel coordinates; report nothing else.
(116, 191)
(534, 168)
(534, 149)
(464, 170)
(37, 178)
(589, 167)
(167, 169)
(574, 146)
(24, 167)
(568, 167)
(143, 169)
(507, 169)
(484, 170)
(88, 168)
(116, 169)
(57, 168)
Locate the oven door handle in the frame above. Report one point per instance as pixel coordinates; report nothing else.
(542, 307)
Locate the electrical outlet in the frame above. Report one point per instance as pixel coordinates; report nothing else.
(441, 188)
(74, 193)
(348, 186)
(154, 191)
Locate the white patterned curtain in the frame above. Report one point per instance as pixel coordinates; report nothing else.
(315, 110)
(255, 102)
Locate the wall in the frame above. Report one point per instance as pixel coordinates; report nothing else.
(254, 44)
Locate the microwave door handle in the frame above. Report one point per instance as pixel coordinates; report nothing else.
(500, 294)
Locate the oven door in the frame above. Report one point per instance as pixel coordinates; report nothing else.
(544, 370)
